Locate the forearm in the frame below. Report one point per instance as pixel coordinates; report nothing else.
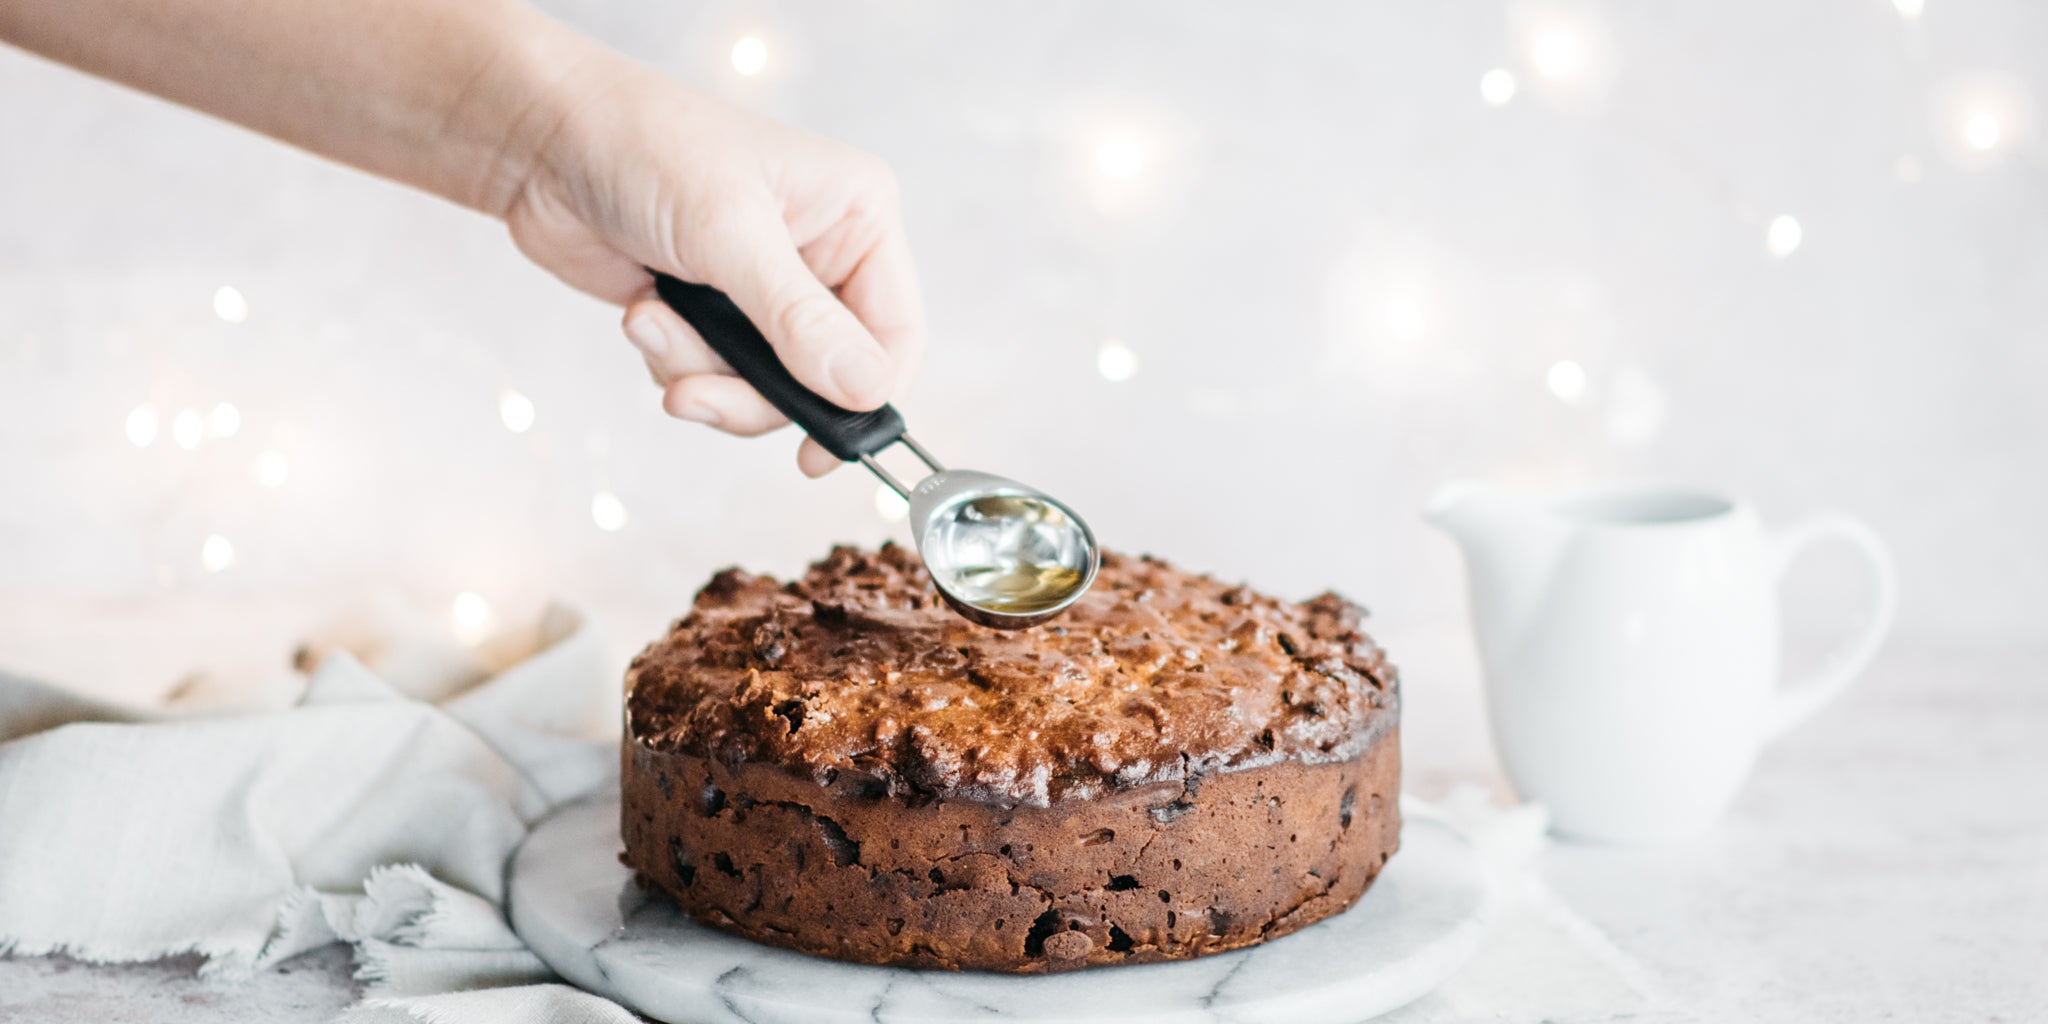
(445, 95)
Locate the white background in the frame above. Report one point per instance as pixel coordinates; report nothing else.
(1344, 275)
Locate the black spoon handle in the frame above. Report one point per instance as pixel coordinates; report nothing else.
(848, 435)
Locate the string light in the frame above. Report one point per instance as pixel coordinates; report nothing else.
(188, 429)
(1497, 87)
(1403, 316)
(1120, 157)
(1908, 168)
(1783, 236)
(1981, 130)
(890, 505)
(1567, 380)
(142, 426)
(273, 469)
(230, 305)
(224, 421)
(1558, 52)
(516, 410)
(608, 512)
(216, 554)
(1115, 361)
(471, 615)
(1909, 9)
(749, 56)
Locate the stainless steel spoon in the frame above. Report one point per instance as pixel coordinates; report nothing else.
(1002, 554)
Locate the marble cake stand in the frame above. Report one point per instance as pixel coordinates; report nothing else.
(578, 908)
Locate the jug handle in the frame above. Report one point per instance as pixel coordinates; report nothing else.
(1795, 702)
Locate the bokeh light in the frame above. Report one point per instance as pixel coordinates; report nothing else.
(1115, 361)
(516, 410)
(216, 553)
(142, 426)
(188, 428)
(230, 305)
(608, 512)
(1497, 87)
(1783, 236)
(273, 469)
(749, 56)
(472, 616)
(1567, 381)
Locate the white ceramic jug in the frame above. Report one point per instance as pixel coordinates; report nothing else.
(1630, 644)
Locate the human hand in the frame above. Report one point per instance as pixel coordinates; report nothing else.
(804, 234)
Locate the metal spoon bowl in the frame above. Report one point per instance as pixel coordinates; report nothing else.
(1000, 553)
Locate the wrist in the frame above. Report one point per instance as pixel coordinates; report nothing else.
(538, 77)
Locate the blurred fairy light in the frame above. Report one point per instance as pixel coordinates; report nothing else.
(142, 425)
(1403, 317)
(1497, 87)
(608, 512)
(273, 469)
(1558, 52)
(1567, 380)
(1121, 157)
(1115, 361)
(216, 554)
(749, 56)
(230, 305)
(1908, 168)
(890, 505)
(1981, 130)
(471, 615)
(516, 410)
(1909, 9)
(1981, 115)
(1783, 236)
(224, 421)
(188, 429)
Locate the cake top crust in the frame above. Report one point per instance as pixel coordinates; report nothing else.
(859, 674)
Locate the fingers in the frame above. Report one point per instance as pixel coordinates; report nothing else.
(821, 341)
(672, 348)
(883, 292)
(814, 460)
(675, 354)
(716, 400)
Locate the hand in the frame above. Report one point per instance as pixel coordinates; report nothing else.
(804, 234)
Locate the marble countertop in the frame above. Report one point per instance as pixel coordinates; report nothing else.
(1888, 861)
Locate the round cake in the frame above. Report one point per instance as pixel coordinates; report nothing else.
(1174, 767)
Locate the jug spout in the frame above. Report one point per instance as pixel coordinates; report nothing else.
(1511, 545)
(1480, 516)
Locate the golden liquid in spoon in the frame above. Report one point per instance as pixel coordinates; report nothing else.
(1022, 589)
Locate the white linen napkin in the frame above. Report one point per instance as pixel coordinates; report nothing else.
(378, 810)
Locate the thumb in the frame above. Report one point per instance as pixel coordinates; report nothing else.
(824, 345)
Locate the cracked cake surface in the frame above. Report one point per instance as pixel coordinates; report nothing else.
(1173, 767)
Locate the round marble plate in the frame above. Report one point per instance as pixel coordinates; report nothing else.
(577, 906)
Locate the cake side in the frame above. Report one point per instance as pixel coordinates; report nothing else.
(1155, 872)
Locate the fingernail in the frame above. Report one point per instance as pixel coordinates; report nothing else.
(647, 336)
(697, 412)
(858, 372)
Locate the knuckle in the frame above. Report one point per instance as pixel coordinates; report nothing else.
(712, 219)
(803, 317)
